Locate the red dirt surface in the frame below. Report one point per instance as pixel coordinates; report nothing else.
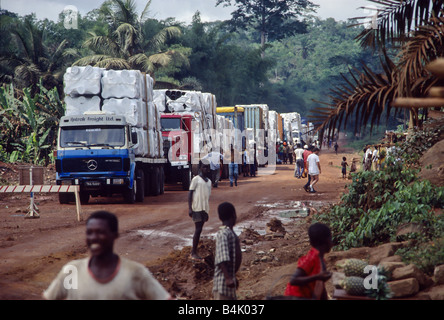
(158, 232)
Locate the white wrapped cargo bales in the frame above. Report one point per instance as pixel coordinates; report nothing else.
(190, 101)
(134, 110)
(81, 81)
(123, 84)
(129, 93)
(272, 120)
(150, 88)
(159, 98)
(80, 104)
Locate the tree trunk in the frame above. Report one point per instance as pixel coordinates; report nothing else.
(263, 41)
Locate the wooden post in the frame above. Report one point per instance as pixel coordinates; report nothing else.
(76, 193)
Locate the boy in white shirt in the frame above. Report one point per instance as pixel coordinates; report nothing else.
(314, 168)
(104, 275)
(199, 205)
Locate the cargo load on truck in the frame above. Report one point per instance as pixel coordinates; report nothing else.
(294, 125)
(189, 129)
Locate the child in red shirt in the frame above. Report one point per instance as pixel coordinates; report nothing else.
(311, 269)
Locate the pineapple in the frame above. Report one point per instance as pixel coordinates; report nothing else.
(354, 286)
(355, 268)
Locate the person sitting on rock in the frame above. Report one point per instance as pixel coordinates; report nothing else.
(308, 280)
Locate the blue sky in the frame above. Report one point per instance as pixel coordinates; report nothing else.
(182, 10)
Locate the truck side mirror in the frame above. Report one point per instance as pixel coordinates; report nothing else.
(134, 137)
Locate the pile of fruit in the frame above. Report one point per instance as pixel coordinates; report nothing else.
(355, 277)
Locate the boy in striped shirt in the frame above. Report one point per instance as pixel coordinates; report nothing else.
(228, 255)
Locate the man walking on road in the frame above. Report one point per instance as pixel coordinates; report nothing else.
(299, 169)
(314, 170)
(215, 158)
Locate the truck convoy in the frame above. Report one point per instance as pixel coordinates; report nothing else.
(120, 136)
(109, 140)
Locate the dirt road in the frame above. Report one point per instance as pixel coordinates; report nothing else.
(32, 251)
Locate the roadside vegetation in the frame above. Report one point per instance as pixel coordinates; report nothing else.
(378, 204)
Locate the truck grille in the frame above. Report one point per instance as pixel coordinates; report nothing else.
(91, 164)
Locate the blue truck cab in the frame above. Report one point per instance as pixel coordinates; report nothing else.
(97, 152)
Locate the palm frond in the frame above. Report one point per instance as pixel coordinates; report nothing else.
(426, 45)
(113, 63)
(102, 45)
(141, 62)
(162, 36)
(127, 37)
(396, 19)
(145, 12)
(103, 61)
(160, 59)
(366, 96)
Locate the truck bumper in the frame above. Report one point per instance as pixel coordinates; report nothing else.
(98, 185)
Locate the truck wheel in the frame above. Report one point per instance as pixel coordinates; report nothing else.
(140, 181)
(84, 197)
(162, 180)
(155, 179)
(148, 183)
(187, 175)
(130, 194)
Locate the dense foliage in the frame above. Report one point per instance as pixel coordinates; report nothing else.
(28, 124)
(380, 203)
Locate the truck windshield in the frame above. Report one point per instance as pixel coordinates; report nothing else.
(92, 137)
(170, 124)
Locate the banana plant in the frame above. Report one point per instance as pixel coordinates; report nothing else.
(29, 123)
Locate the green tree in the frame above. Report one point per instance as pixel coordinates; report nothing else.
(122, 47)
(29, 123)
(272, 19)
(234, 73)
(28, 58)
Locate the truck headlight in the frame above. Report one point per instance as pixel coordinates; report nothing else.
(118, 181)
(183, 157)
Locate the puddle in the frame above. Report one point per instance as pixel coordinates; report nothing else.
(290, 213)
(151, 233)
(297, 213)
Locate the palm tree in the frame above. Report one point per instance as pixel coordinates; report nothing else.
(121, 47)
(28, 59)
(417, 28)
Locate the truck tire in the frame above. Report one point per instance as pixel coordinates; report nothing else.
(148, 183)
(130, 194)
(84, 197)
(187, 175)
(155, 181)
(140, 181)
(162, 180)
